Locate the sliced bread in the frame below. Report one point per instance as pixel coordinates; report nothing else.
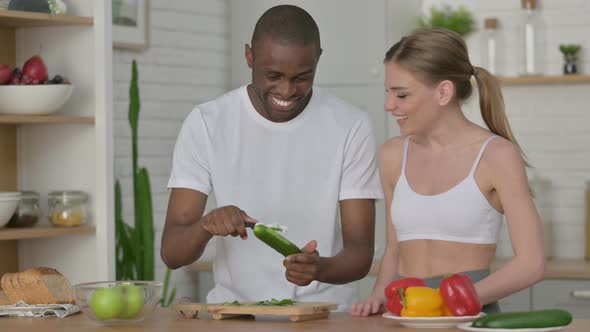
(4, 300)
(38, 285)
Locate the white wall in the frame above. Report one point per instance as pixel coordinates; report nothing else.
(355, 36)
(550, 122)
(186, 64)
(195, 44)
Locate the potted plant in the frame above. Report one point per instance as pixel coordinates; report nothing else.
(134, 251)
(570, 56)
(459, 20)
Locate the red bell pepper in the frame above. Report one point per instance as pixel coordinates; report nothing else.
(394, 302)
(459, 295)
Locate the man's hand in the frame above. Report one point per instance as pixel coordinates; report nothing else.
(226, 220)
(303, 268)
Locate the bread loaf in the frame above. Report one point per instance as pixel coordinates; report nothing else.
(4, 300)
(40, 285)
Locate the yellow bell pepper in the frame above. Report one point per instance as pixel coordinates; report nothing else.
(422, 302)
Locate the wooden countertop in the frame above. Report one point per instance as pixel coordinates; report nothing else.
(168, 320)
(558, 268)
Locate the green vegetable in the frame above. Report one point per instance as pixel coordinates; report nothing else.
(273, 302)
(525, 319)
(275, 240)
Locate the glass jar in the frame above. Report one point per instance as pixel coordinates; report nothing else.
(27, 213)
(67, 208)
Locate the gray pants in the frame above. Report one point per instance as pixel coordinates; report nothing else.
(476, 276)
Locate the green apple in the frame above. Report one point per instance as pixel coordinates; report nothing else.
(132, 301)
(106, 302)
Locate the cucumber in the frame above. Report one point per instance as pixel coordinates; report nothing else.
(525, 319)
(275, 240)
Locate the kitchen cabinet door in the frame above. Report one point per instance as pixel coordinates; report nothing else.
(559, 294)
(520, 301)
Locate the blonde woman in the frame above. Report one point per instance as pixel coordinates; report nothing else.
(448, 181)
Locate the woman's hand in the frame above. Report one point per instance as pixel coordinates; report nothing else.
(372, 305)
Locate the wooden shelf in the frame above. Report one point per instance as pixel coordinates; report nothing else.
(544, 80)
(44, 119)
(43, 231)
(18, 19)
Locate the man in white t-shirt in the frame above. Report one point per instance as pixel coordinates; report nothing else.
(276, 151)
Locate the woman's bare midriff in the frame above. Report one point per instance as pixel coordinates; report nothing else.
(430, 258)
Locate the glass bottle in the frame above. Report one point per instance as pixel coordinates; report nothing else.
(27, 213)
(531, 31)
(490, 25)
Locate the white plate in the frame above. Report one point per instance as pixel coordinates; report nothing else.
(432, 322)
(468, 327)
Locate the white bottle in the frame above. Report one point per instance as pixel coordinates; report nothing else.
(491, 44)
(531, 31)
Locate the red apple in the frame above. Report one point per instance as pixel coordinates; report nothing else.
(5, 74)
(35, 69)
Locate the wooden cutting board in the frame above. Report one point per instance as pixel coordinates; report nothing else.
(297, 312)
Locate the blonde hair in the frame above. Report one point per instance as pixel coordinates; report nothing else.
(436, 54)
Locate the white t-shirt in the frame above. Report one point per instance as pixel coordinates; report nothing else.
(292, 173)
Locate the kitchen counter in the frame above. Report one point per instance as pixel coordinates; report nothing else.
(558, 268)
(168, 320)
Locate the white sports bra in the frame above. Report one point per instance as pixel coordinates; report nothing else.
(461, 214)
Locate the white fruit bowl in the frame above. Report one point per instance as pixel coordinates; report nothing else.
(33, 99)
(8, 204)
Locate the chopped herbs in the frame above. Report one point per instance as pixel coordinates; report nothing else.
(272, 302)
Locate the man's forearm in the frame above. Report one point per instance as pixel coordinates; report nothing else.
(349, 265)
(183, 244)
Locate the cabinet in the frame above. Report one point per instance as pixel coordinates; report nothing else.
(520, 301)
(69, 150)
(551, 294)
(559, 294)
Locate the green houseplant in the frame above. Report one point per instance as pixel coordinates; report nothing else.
(135, 244)
(570, 57)
(459, 20)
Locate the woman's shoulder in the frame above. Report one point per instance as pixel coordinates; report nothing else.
(391, 156)
(392, 148)
(502, 153)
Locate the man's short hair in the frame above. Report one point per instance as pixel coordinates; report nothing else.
(289, 24)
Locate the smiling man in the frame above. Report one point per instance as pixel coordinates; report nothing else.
(276, 151)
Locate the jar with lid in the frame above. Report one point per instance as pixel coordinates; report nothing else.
(27, 213)
(67, 208)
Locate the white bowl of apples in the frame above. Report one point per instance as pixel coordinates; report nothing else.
(31, 91)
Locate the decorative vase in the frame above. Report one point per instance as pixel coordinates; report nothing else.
(570, 66)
